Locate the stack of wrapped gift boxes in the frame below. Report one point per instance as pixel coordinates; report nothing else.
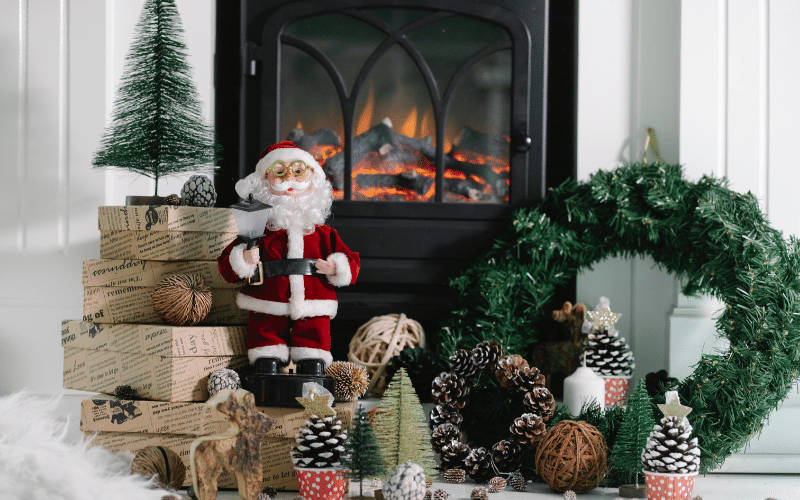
(120, 340)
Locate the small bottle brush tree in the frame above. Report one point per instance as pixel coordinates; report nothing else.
(402, 428)
(626, 454)
(362, 455)
(157, 128)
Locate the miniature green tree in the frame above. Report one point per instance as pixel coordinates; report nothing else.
(402, 428)
(362, 455)
(157, 128)
(638, 422)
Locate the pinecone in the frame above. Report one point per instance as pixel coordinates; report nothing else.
(541, 402)
(125, 392)
(478, 465)
(428, 495)
(479, 493)
(486, 355)
(453, 455)
(319, 443)
(454, 476)
(461, 364)
(507, 368)
(198, 191)
(451, 389)
(570, 495)
(528, 429)
(172, 199)
(440, 495)
(444, 434)
(222, 379)
(608, 354)
(516, 481)
(497, 484)
(669, 448)
(507, 455)
(445, 414)
(528, 378)
(350, 380)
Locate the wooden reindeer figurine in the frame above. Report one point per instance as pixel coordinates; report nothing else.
(237, 449)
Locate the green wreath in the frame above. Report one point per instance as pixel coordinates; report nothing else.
(716, 239)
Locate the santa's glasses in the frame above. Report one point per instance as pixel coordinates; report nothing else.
(297, 168)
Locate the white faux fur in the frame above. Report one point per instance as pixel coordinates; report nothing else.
(343, 275)
(38, 462)
(280, 351)
(300, 353)
(295, 309)
(238, 264)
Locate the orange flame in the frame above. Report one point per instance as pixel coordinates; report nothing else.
(365, 120)
(409, 127)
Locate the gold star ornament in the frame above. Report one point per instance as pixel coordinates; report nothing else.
(315, 404)
(603, 318)
(675, 409)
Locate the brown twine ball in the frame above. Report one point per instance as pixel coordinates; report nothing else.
(182, 299)
(161, 463)
(572, 456)
(378, 340)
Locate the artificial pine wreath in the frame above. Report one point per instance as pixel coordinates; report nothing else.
(717, 240)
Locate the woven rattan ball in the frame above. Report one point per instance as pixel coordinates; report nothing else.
(378, 340)
(162, 463)
(182, 299)
(572, 456)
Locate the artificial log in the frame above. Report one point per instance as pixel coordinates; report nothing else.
(407, 180)
(472, 141)
(322, 137)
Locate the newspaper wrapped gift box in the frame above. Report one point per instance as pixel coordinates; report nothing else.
(166, 218)
(121, 425)
(122, 273)
(166, 363)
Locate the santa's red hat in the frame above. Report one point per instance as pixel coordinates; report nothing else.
(285, 151)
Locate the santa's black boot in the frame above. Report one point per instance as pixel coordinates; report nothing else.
(311, 366)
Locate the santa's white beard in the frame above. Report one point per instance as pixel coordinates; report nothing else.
(302, 210)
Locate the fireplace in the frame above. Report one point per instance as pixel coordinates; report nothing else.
(429, 118)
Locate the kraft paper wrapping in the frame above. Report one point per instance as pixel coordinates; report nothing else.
(166, 218)
(155, 377)
(163, 245)
(133, 304)
(121, 273)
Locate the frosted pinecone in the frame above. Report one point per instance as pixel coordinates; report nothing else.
(507, 368)
(479, 493)
(199, 191)
(528, 378)
(222, 379)
(453, 455)
(486, 355)
(507, 455)
(669, 448)
(450, 389)
(528, 429)
(461, 364)
(443, 435)
(541, 402)
(319, 444)
(517, 481)
(608, 354)
(478, 465)
(440, 495)
(405, 482)
(445, 414)
(454, 476)
(497, 484)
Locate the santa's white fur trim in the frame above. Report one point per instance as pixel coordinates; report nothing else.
(301, 353)
(280, 351)
(296, 309)
(343, 274)
(40, 458)
(249, 303)
(238, 264)
(294, 243)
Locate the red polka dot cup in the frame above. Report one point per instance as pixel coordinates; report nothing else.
(616, 389)
(322, 484)
(663, 486)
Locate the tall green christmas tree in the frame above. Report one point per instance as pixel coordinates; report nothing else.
(157, 128)
(362, 455)
(402, 428)
(626, 454)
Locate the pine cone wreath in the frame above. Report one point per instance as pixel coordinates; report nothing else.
(497, 484)
(541, 402)
(444, 434)
(445, 414)
(350, 380)
(454, 476)
(320, 443)
(669, 448)
(528, 378)
(486, 355)
(479, 493)
(608, 354)
(517, 481)
(507, 368)
(461, 364)
(478, 465)
(125, 392)
(507, 455)
(440, 495)
(450, 389)
(528, 429)
(454, 455)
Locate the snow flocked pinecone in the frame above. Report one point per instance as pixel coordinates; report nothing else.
(669, 448)
(450, 389)
(507, 455)
(479, 493)
(528, 378)
(445, 414)
(507, 368)
(540, 402)
(461, 364)
(319, 444)
(528, 429)
(478, 465)
(497, 484)
(443, 435)
(486, 355)
(608, 354)
(454, 476)
(517, 481)
(405, 482)
(454, 455)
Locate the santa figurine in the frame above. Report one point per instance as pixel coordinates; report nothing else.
(303, 261)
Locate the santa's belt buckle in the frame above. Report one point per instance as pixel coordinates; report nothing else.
(258, 277)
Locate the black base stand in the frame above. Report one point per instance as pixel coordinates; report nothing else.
(271, 388)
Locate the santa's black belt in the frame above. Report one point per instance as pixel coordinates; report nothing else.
(286, 267)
